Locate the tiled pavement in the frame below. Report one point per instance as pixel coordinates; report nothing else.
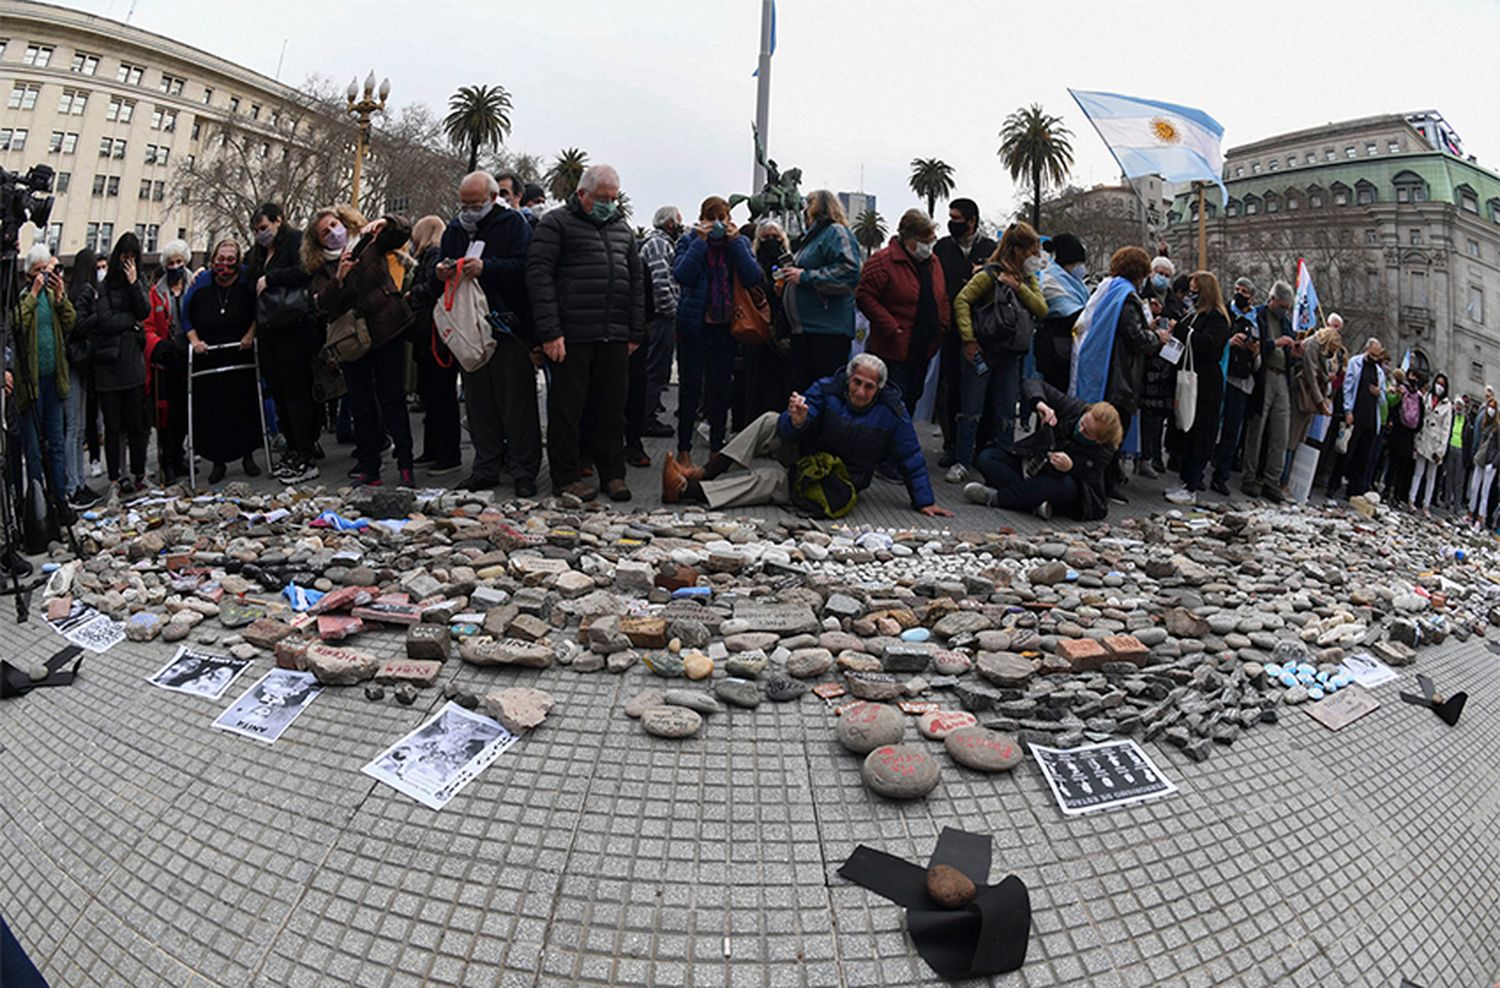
(141, 848)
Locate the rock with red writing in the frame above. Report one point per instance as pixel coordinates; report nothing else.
(505, 652)
(336, 666)
(938, 724)
(423, 672)
(900, 771)
(863, 727)
(983, 750)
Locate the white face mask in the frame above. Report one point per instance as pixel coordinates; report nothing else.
(921, 251)
(1033, 264)
(1079, 270)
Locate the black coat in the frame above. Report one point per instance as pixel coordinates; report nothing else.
(1210, 334)
(1135, 341)
(584, 278)
(1089, 458)
(506, 236)
(119, 338)
(958, 264)
(284, 268)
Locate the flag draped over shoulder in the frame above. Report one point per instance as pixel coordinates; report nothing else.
(1149, 137)
(1094, 348)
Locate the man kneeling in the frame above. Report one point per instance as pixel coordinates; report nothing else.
(1058, 467)
(853, 415)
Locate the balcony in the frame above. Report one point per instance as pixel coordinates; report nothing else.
(1416, 315)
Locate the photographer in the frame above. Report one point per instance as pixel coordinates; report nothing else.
(38, 375)
(119, 362)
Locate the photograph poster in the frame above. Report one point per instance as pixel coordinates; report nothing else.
(1101, 776)
(266, 709)
(435, 761)
(200, 673)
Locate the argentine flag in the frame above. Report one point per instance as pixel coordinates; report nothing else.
(1305, 311)
(1149, 137)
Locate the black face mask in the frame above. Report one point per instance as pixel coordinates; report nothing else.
(958, 228)
(769, 252)
(1242, 301)
(175, 275)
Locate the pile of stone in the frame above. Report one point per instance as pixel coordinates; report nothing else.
(1180, 627)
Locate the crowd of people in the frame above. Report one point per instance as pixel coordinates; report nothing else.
(804, 361)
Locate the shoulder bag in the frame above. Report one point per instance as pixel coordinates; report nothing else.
(1186, 400)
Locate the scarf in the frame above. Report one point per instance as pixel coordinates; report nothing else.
(926, 328)
(1065, 294)
(720, 305)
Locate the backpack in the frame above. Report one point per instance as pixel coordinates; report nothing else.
(821, 486)
(1003, 325)
(1411, 408)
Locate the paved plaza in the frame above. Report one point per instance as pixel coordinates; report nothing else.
(141, 847)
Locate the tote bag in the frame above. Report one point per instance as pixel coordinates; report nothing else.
(462, 323)
(1187, 387)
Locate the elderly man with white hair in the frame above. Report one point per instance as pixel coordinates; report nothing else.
(37, 370)
(1271, 403)
(658, 252)
(491, 239)
(586, 281)
(855, 415)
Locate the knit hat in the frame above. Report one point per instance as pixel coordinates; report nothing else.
(1068, 249)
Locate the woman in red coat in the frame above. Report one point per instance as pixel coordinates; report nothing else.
(902, 293)
(166, 360)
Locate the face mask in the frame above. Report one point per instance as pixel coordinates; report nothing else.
(1439, 390)
(603, 211)
(958, 229)
(175, 275)
(1160, 283)
(1032, 264)
(716, 232)
(1242, 302)
(1192, 299)
(335, 237)
(469, 216)
(266, 236)
(225, 271)
(921, 251)
(1078, 270)
(99, 274)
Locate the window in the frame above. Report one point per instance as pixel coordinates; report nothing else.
(99, 185)
(1315, 198)
(1349, 151)
(1291, 161)
(1393, 147)
(208, 95)
(189, 160)
(84, 63)
(153, 233)
(1475, 308)
(112, 147)
(106, 237)
(1255, 167)
(91, 237)
(62, 142)
(1419, 289)
(54, 237)
(1273, 202)
(120, 110)
(3, 43)
(1474, 248)
(158, 191)
(275, 118)
(13, 140)
(234, 104)
(130, 74)
(172, 85)
(37, 55)
(64, 179)
(1293, 202)
(163, 118)
(254, 111)
(1468, 199)
(1372, 238)
(182, 233)
(1310, 158)
(1273, 164)
(1414, 237)
(112, 187)
(1476, 372)
(1329, 154)
(145, 192)
(1340, 194)
(1233, 208)
(1370, 148)
(1252, 205)
(157, 154)
(23, 97)
(73, 101)
(1239, 171)
(1364, 193)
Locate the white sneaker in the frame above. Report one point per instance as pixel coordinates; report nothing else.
(957, 474)
(979, 494)
(1182, 496)
(96, 468)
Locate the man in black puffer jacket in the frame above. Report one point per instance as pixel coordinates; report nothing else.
(584, 277)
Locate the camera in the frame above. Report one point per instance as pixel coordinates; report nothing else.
(24, 198)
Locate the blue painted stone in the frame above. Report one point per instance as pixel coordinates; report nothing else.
(1273, 670)
(49, 567)
(1331, 686)
(1303, 667)
(915, 635)
(1315, 693)
(1305, 679)
(1288, 680)
(1072, 575)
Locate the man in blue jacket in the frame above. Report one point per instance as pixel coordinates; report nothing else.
(853, 415)
(500, 397)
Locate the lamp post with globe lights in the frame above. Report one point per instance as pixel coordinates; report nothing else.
(362, 106)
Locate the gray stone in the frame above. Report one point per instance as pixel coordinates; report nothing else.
(863, 727)
(406, 694)
(780, 689)
(747, 665)
(900, 772)
(738, 692)
(961, 623)
(518, 708)
(1005, 669)
(693, 700)
(668, 665)
(787, 619)
(983, 750)
(1048, 574)
(843, 606)
(671, 722)
(506, 652)
(428, 641)
(907, 657)
(809, 663)
(643, 701)
(692, 634)
(875, 685)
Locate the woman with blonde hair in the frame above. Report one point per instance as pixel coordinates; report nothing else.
(767, 383)
(818, 291)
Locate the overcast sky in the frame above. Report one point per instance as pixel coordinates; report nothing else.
(662, 89)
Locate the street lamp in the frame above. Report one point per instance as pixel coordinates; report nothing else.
(362, 107)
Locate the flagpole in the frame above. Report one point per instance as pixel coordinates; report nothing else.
(1124, 175)
(1202, 231)
(763, 90)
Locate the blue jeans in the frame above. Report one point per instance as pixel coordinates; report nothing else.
(74, 416)
(1002, 471)
(49, 408)
(1001, 388)
(705, 359)
(1235, 402)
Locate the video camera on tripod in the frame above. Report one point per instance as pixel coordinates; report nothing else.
(23, 198)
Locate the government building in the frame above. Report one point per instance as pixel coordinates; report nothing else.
(1400, 230)
(117, 111)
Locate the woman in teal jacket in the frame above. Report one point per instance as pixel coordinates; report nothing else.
(818, 292)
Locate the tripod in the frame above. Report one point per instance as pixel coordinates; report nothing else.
(57, 511)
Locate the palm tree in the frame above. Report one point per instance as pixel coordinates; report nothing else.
(869, 230)
(567, 169)
(478, 117)
(1035, 143)
(931, 179)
